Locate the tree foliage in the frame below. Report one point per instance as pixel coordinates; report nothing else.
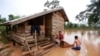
(12, 17)
(71, 25)
(75, 26)
(53, 4)
(2, 20)
(92, 13)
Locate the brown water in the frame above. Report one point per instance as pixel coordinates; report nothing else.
(12, 50)
(90, 44)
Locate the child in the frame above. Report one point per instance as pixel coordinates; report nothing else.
(76, 44)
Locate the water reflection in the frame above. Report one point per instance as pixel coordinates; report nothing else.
(70, 37)
(90, 43)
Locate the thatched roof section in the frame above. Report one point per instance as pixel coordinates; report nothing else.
(20, 20)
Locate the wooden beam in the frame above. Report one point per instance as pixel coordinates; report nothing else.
(44, 24)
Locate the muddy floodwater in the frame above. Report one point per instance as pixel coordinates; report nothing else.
(90, 44)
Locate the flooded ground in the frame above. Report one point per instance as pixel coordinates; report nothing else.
(90, 44)
(11, 50)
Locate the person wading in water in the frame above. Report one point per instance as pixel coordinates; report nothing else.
(77, 44)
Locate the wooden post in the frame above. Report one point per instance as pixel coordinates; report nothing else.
(36, 52)
(26, 42)
(7, 29)
(44, 25)
(27, 45)
(36, 40)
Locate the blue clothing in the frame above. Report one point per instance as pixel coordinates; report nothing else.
(76, 48)
(35, 27)
(32, 29)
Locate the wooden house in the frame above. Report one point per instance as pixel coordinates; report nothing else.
(50, 22)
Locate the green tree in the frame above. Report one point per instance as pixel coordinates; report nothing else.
(2, 20)
(69, 25)
(82, 26)
(12, 17)
(53, 4)
(92, 13)
(75, 25)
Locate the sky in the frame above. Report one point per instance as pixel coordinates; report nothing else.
(30, 7)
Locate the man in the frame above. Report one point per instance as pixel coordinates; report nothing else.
(32, 29)
(37, 27)
(76, 44)
(60, 37)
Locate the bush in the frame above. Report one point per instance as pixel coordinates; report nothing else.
(3, 38)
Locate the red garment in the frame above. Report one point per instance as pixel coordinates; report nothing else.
(60, 36)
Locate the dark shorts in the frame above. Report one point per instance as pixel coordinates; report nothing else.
(76, 48)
